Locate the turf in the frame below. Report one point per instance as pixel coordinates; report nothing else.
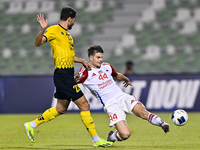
(68, 133)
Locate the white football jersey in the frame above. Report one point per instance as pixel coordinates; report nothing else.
(100, 82)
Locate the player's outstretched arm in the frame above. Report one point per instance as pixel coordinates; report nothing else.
(85, 63)
(40, 39)
(121, 77)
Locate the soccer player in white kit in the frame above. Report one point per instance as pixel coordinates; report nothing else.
(99, 80)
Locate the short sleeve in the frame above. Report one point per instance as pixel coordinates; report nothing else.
(84, 74)
(114, 73)
(49, 33)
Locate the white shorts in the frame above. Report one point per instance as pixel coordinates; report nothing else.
(117, 109)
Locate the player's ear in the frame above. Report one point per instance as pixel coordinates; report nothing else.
(69, 19)
(90, 57)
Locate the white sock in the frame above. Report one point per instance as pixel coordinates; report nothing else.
(115, 136)
(95, 138)
(154, 119)
(33, 124)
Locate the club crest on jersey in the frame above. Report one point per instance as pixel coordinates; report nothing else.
(62, 33)
(107, 70)
(93, 74)
(100, 71)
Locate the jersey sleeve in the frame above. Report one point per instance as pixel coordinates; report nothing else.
(49, 33)
(114, 73)
(84, 74)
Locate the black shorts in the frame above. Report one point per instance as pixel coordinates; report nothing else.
(66, 87)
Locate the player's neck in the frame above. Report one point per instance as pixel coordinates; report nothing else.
(63, 24)
(94, 67)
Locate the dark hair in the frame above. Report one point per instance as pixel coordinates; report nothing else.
(94, 49)
(129, 65)
(67, 12)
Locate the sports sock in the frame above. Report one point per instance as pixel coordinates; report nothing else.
(115, 136)
(95, 138)
(154, 119)
(48, 115)
(89, 124)
(33, 124)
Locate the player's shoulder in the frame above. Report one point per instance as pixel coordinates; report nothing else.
(52, 27)
(105, 64)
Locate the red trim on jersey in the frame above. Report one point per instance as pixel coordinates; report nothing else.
(105, 63)
(84, 74)
(114, 73)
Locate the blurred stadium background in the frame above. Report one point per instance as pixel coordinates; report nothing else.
(160, 36)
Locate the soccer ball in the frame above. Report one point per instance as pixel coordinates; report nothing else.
(179, 117)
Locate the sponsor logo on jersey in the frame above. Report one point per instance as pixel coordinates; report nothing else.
(93, 74)
(105, 84)
(132, 101)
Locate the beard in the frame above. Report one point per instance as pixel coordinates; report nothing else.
(70, 26)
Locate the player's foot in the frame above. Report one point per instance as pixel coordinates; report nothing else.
(108, 138)
(29, 131)
(165, 127)
(102, 143)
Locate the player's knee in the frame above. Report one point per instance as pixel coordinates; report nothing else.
(85, 106)
(125, 135)
(61, 110)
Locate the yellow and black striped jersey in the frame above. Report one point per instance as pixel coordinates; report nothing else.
(62, 46)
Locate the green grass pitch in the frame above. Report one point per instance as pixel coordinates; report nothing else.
(68, 133)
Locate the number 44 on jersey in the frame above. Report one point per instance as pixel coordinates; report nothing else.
(102, 77)
(113, 117)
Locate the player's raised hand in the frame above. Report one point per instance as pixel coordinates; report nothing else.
(86, 65)
(43, 23)
(127, 83)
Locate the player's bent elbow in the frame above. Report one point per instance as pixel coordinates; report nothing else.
(37, 44)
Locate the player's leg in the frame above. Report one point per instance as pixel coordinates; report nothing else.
(122, 133)
(87, 120)
(48, 115)
(51, 113)
(117, 114)
(140, 111)
(84, 107)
